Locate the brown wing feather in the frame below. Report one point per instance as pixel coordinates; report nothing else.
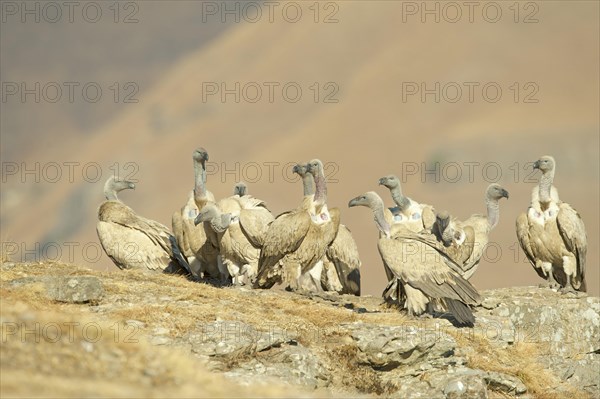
(572, 231)
(255, 223)
(423, 267)
(343, 252)
(522, 226)
(284, 235)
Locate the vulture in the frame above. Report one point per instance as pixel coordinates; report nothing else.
(341, 264)
(428, 278)
(134, 242)
(296, 241)
(408, 214)
(240, 189)
(240, 235)
(199, 243)
(416, 217)
(465, 241)
(552, 234)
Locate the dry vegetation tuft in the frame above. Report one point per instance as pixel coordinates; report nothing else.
(518, 360)
(116, 367)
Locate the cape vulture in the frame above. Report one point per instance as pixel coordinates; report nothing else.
(465, 242)
(428, 278)
(240, 235)
(134, 242)
(199, 243)
(408, 213)
(552, 234)
(297, 241)
(341, 264)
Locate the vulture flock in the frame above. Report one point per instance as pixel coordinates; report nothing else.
(428, 255)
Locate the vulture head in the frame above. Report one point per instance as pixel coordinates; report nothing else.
(113, 186)
(442, 219)
(240, 189)
(200, 155)
(389, 181)
(208, 213)
(369, 199)
(495, 192)
(545, 164)
(315, 168)
(300, 169)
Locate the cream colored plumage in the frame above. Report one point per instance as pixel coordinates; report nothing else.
(341, 263)
(240, 224)
(296, 241)
(406, 214)
(428, 277)
(465, 241)
(240, 236)
(552, 234)
(199, 243)
(134, 242)
(412, 214)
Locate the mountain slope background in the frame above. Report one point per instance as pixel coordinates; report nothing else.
(365, 61)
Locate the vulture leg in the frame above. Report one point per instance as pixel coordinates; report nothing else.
(568, 288)
(550, 281)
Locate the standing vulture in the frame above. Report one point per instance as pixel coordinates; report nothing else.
(297, 241)
(428, 278)
(341, 264)
(409, 214)
(552, 234)
(240, 235)
(415, 216)
(134, 242)
(465, 242)
(199, 243)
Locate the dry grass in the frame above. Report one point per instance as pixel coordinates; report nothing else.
(181, 306)
(48, 354)
(518, 360)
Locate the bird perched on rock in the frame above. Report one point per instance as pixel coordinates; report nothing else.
(132, 241)
(297, 241)
(552, 234)
(465, 241)
(428, 277)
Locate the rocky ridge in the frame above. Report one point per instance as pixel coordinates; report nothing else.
(527, 342)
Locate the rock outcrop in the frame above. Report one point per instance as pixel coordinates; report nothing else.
(527, 342)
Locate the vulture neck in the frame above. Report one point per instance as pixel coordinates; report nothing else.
(493, 212)
(199, 181)
(380, 221)
(448, 236)
(221, 222)
(308, 184)
(401, 201)
(546, 187)
(110, 193)
(320, 189)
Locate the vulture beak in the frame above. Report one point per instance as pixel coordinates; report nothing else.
(296, 169)
(131, 186)
(353, 202)
(381, 181)
(536, 165)
(199, 219)
(505, 193)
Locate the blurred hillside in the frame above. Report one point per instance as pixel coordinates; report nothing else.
(366, 61)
